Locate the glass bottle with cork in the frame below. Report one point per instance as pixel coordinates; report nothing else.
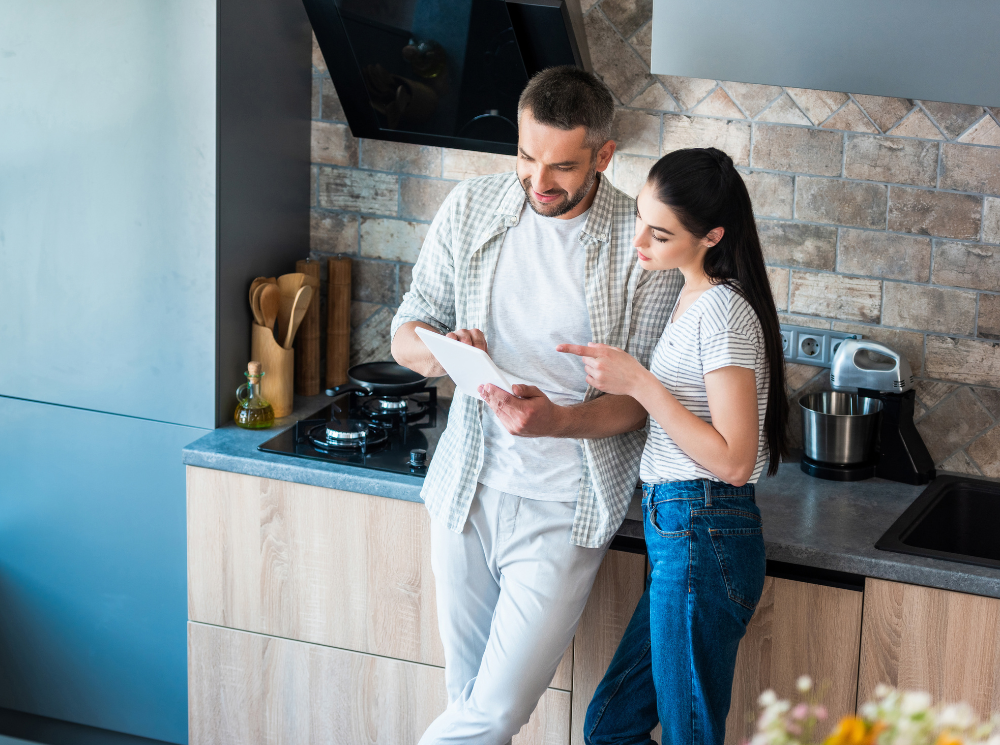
(252, 411)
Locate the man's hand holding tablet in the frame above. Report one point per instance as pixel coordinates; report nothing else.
(523, 409)
(466, 362)
(472, 337)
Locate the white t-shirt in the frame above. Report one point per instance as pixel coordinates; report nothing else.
(718, 330)
(537, 301)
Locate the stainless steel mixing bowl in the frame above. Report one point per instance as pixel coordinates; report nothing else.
(839, 428)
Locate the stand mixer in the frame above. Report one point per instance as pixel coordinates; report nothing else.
(901, 453)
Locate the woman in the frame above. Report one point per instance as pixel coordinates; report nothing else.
(716, 400)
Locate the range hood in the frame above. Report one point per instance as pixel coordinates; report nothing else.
(443, 72)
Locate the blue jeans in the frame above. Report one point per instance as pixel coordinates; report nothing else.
(675, 662)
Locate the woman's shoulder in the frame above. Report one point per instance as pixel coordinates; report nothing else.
(725, 309)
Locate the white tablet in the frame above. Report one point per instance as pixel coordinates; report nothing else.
(467, 366)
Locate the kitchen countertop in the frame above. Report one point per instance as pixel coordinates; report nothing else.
(808, 522)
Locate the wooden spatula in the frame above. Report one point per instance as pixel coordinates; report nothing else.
(299, 307)
(255, 304)
(270, 303)
(289, 284)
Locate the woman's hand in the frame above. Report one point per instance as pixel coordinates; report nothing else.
(609, 369)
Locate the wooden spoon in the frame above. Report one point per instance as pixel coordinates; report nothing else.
(254, 285)
(255, 304)
(299, 308)
(270, 303)
(289, 284)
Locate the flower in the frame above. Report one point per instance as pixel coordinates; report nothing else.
(852, 731)
(915, 702)
(946, 738)
(892, 718)
(957, 716)
(768, 698)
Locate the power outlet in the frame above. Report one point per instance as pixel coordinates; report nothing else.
(808, 346)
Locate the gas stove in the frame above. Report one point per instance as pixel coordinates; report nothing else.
(388, 433)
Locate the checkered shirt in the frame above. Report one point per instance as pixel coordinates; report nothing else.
(628, 308)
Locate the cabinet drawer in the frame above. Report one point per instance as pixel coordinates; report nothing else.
(943, 642)
(317, 565)
(798, 628)
(251, 689)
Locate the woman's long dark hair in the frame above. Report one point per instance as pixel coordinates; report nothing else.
(705, 191)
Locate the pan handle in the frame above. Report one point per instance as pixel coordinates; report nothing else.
(349, 388)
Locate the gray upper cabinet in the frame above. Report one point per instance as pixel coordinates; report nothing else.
(926, 49)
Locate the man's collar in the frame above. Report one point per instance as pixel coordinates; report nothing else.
(598, 222)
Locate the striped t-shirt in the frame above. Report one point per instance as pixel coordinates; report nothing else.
(718, 330)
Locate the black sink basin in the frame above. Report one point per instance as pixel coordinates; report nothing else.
(955, 518)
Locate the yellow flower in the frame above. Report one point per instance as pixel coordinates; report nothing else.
(946, 738)
(854, 731)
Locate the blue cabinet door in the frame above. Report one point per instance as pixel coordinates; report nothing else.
(92, 568)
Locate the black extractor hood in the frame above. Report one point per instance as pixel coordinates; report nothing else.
(443, 72)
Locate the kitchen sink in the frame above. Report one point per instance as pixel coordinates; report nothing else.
(955, 518)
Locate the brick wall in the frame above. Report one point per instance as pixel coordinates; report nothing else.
(879, 216)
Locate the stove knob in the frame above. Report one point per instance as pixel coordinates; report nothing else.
(418, 458)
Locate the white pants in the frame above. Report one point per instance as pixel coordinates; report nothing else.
(510, 591)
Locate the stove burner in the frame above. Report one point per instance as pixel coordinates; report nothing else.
(350, 435)
(387, 412)
(392, 404)
(340, 432)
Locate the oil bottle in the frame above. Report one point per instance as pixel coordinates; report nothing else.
(252, 411)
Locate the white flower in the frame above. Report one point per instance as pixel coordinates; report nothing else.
(915, 702)
(768, 698)
(882, 690)
(957, 716)
(804, 684)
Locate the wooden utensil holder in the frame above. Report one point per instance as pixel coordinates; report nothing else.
(278, 384)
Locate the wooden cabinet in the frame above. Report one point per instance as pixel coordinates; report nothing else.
(617, 588)
(317, 565)
(798, 628)
(313, 619)
(252, 689)
(350, 575)
(945, 643)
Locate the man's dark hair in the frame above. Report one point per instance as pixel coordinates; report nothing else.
(566, 98)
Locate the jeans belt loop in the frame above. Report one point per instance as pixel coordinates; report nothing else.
(708, 492)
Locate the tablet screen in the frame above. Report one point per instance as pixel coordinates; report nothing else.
(467, 366)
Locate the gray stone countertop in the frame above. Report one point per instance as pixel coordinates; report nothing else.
(808, 522)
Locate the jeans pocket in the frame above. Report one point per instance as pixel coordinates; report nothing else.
(659, 522)
(741, 558)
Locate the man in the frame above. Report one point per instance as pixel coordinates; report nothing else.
(525, 492)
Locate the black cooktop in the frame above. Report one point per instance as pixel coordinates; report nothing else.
(377, 439)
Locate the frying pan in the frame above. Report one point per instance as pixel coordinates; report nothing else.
(381, 379)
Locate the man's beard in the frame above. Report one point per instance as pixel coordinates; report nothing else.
(556, 209)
